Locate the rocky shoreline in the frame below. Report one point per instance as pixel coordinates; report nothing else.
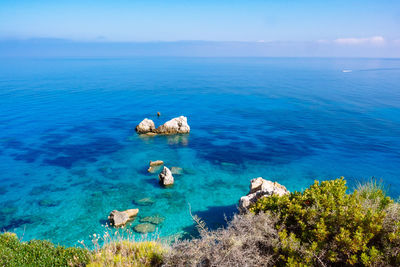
(259, 188)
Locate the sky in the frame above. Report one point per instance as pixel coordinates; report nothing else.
(370, 25)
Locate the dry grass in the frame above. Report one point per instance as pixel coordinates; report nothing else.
(120, 248)
(391, 226)
(248, 240)
(128, 253)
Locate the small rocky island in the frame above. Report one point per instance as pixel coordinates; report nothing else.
(177, 125)
(120, 218)
(166, 178)
(259, 188)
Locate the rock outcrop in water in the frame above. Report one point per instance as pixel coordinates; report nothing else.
(166, 178)
(120, 218)
(145, 126)
(156, 163)
(259, 188)
(177, 125)
(155, 166)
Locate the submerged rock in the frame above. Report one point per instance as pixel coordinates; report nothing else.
(3, 190)
(259, 188)
(155, 166)
(177, 125)
(166, 177)
(106, 170)
(15, 223)
(145, 126)
(146, 201)
(38, 190)
(49, 203)
(156, 219)
(177, 170)
(144, 228)
(154, 169)
(7, 209)
(178, 139)
(120, 218)
(150, 134)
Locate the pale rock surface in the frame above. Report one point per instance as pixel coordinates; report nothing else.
(145, 126)
(120, 218)
(166, 177)
(177, 125)
(259, 188)
(156, 163)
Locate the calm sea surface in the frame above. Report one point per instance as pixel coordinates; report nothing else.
(69, 153)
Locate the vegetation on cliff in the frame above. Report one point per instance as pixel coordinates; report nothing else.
(13, 252)
(128, 253)
(322, 226)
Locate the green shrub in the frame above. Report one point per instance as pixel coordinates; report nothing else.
(323, 225)
(13, 252)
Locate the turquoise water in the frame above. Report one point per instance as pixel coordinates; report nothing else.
(69, 154)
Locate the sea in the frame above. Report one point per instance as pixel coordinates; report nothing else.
(69, 153)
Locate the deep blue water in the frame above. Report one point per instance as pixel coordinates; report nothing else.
(69, 153)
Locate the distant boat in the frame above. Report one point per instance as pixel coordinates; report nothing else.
(346, 70)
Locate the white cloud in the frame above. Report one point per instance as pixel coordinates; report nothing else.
(375, 40)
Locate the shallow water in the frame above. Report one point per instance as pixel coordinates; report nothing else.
(69, 154)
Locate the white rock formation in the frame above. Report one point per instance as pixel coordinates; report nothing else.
(120, 218)
(146, 126)
(177, 125)
(166, 177)
(259, 188)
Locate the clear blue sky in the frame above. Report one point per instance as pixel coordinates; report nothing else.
(354, 28)
(216, 20)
